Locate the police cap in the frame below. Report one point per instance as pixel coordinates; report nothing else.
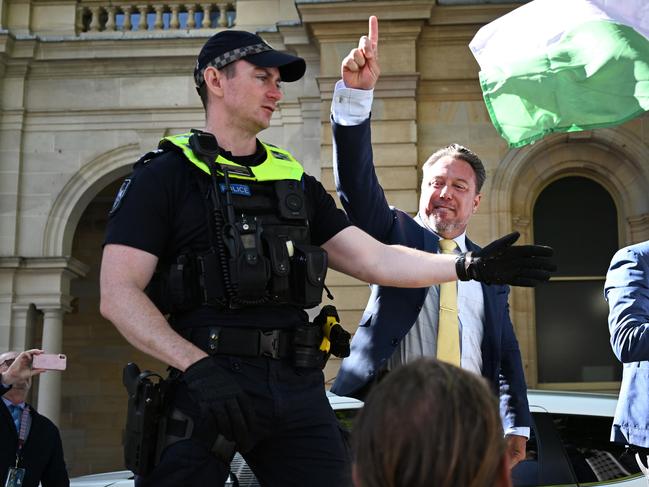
(231, 45)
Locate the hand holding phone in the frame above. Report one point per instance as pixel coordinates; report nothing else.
(49, 361)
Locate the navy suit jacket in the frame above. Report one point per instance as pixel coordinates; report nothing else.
(391, 311)
(627, 292)
(42, 454)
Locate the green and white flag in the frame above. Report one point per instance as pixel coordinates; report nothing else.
(564, 66)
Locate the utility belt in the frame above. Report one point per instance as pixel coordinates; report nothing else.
(307, 345)
(152, 424)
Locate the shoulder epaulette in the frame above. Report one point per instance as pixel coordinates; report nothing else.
(149, 156)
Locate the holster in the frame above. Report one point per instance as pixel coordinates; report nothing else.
(147, 403)
(152, 424)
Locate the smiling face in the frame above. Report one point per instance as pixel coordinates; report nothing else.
(251, 96)
(449, 196)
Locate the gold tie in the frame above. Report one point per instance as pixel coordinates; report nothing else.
(448, 334)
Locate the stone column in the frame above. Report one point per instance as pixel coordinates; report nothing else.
(45, 282)
(49, 383)
(8, 268)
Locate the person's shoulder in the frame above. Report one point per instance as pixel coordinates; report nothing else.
(309, 180)
(471, 246)
(641, 249)
(167, 169)
(161, 162)
(43, 422)
(636, 253)
(311, 184)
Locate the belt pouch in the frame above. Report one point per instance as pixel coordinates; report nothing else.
(280, 267)
(309, 268)
(211, 279)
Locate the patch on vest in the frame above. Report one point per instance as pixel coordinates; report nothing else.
(238, 189)
(120, 194)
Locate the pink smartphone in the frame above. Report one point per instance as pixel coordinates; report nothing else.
(49, 361)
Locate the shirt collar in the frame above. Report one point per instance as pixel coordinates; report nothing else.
(8, 403)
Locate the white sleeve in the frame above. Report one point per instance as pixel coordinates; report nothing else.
(351, 106)
(519, 431)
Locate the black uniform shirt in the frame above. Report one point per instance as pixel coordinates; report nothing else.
(161, 212)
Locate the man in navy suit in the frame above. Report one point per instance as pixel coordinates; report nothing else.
(39, 456)
(627, 293)
(400, 325)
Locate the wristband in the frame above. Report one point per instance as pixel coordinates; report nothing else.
(461, 266)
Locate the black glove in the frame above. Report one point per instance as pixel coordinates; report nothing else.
(221, 398)
(501, 262)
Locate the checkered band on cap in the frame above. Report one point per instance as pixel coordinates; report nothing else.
(230, 57)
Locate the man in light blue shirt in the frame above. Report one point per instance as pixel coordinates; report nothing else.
(400, 325)
(31, 452)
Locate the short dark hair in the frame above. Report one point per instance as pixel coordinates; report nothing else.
(429, 423)
(228, 71)
(458, 151)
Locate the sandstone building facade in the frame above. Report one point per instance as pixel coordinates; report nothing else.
(87, 86)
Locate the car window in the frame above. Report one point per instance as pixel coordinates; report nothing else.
(570, 450)
(592, 455)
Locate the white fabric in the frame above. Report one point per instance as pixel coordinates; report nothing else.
(350, 106)
(536, 25)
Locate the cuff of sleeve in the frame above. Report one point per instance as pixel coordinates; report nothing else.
(519, 431)
(350, 106)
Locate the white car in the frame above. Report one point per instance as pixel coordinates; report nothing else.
(569, 446)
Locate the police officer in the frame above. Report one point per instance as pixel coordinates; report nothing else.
(238, 239)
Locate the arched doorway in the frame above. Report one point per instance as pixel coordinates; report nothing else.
(613, 159)
(578, 218)
(93, 408)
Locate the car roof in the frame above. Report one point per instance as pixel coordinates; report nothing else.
(343, 402)
(563, 402)
(541, 401)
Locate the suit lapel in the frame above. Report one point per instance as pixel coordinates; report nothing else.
(430, 240)
(8, 419)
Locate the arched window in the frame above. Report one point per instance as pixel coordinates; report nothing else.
(577, 217)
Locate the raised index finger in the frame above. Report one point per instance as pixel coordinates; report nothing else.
(373, 33)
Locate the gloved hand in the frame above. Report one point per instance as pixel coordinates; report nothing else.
(220, 397)
(501, 262)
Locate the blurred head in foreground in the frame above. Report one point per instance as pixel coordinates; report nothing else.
(430, 424)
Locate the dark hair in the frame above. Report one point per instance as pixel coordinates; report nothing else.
(460, 152)
(229, 70)
(429, 424)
